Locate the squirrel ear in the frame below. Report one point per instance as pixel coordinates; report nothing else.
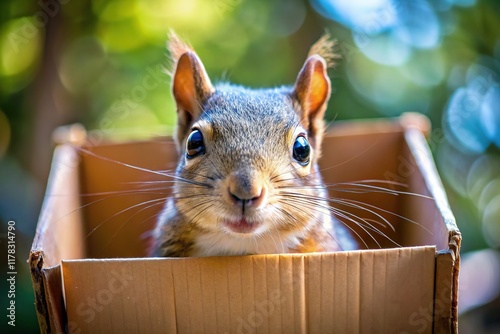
(191, 87)
(312, 91)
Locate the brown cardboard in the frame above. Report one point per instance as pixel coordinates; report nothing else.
(90, 246)
(313, 293)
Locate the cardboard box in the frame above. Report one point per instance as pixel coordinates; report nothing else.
(90, 275)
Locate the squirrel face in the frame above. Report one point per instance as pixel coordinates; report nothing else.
(246, 146)
(248, 158)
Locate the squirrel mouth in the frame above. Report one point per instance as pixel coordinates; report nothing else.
(241, 226)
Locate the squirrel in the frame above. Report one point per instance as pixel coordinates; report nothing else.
(247, 180)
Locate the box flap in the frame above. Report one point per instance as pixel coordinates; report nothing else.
(446, 298)
(434, 187)
(60, 232)
(49, 300)
(313, 293)
(54, 298)
(447, 236)
(59, 235)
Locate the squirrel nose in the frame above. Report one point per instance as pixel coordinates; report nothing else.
(246, 194)
(246, 202)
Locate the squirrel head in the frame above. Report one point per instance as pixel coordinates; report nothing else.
(241, 149)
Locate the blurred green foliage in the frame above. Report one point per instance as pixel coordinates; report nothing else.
(101, 63)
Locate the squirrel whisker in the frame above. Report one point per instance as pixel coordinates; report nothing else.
(159, 202)
(362, 222)
(156, 200)
(361, 204)
(365, 224)
(357, 205)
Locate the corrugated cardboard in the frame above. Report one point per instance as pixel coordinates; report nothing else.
(90, 274)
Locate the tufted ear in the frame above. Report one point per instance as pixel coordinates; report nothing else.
(312, 91)
(191, 85)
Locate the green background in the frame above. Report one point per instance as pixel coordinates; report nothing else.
(87, 61)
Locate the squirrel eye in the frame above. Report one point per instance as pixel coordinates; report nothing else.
(301, 150)
(195, 145)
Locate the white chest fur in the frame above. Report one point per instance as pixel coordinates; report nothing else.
(220, 243)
